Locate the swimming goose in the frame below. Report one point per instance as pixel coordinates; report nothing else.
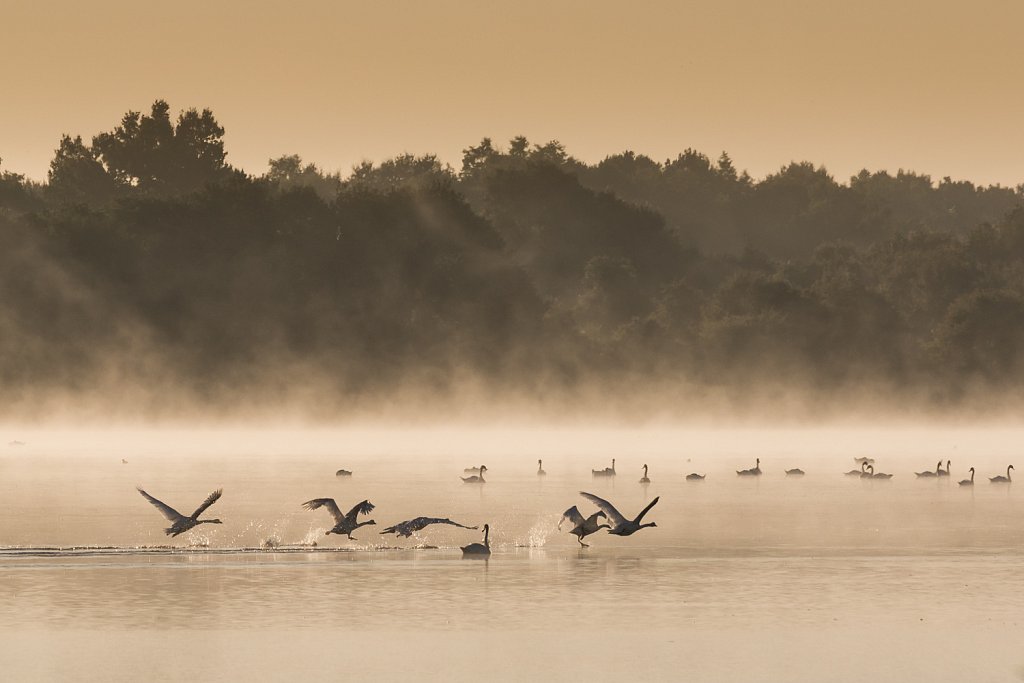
(796, 472)
(944, 472)
(581, 528)
(968, 482)
(1001, 479)
(857, 473)
(620, 526)
(880, 475)
(540, 468)
(693, 476)
(471, 470)
(407, 527)
(482, 549)
(343, 524)
(179, 522)
(343, 473)
(606, 472)
(644, 479)
(476, 479)
(752, 472)
(938, 468)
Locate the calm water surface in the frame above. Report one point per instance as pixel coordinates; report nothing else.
(823, 578)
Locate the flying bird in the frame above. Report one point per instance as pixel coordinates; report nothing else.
(620, 526)
(343, 524)
(407, 527)
(179, 522)
(581, 528)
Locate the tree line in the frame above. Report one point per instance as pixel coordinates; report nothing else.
(148, 274)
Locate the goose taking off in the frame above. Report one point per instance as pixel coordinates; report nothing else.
(479, 549)
(476, 478)
(938, 468)
(606, 472)
(343, 473)
(179, 522)
(796, 472)
(1001, 479)
(644, 479)
(693, 476)
(620, 526)
(581, 528)
(540, 468)
(343, 524)
(944, 472)
(407, 527)
(755, 471)
(968, 482)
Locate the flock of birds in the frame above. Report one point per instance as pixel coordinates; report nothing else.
(614, 521)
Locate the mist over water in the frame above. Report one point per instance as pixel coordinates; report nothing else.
(823, 577)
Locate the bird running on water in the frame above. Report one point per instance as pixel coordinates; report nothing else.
(343, 524)
(582, 527)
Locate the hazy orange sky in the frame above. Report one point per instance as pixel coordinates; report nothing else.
(931, 86)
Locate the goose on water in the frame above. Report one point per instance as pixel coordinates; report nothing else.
(407, 527)
(343, 473)
(606, 472)
(880, 475)
(179, 522)
(471, 470)
(620, 526)
(581, 528)
(479, 549)
(476, 478)
(968, 482)
(938, 468)
(796, 472)
(644, 479)
(693, 476)
(944, 472)
(754, 471)
(343, 524)
(1001, 479)
(540, 468)
(858, 473)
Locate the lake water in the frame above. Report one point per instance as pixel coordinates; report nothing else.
(821, 578)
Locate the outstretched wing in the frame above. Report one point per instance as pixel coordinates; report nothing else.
(328, 503)
(166, 510)
(647, 509)
(614, 516)
(422, 522)
(210, 500)
(363, 508)
(573, 515)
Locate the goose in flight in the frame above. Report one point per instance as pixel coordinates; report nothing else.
(944, 472)
(343, 473)
(968, 482)
(581, 528)
(343, 524)
(755, 471)
(938, 468)
(644, 479)
(1001, 479)
(476, 478)
(540, 468)
(693, 476)
(480, 549)
(179, 522)
(407, 527)
(606, 472)
(620, 526)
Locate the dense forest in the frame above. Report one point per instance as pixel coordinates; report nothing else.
(148, 276)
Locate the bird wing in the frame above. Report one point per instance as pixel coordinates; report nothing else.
(166, 510)
(573, 515)
(363, 508)
(647, 509)
(614, 516)
(427, 521)
(328, 503)
(210, 500)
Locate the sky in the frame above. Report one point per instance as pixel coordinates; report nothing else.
(933, 87)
